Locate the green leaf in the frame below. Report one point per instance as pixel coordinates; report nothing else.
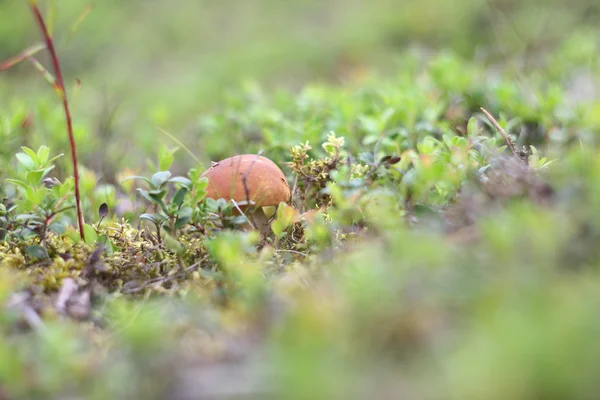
(146, 195)
(148, 217)
(180, 196)
(166, 158)
(472, 127)
(46, 171)
(181, 180)
(143, 178)
(286, 215)
(37, 251)
(201, 184)
(73, 234)
(57, 227)
(200, 190)
(160, 218)
(34, 157)
(91, 236)
(35, 177)
(29, 218)
(156, 196)
(239, 220)
(174, 245)
(184, 217)
(159, 178)
(182, 221)
(42, 154)
(26, 161)
(17, 182)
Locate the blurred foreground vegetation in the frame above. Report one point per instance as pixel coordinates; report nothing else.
(419, 257)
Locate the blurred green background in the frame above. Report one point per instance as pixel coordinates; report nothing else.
(144, 64)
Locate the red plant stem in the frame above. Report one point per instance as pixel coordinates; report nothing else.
(60, 86)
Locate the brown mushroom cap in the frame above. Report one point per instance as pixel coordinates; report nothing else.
(266, 183)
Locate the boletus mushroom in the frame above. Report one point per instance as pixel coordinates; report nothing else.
(249, 179)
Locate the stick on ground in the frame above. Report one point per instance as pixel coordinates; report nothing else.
(522, 155)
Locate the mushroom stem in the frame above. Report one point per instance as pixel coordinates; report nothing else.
(257, 219)
(260, 221)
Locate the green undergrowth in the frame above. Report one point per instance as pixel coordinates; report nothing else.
(418, 258)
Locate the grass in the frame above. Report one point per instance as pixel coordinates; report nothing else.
(431, 249)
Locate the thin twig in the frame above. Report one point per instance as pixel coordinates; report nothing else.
(291, 251)
(29, 52)
(511, 145)
(164, 279)
(507, 138)
(235, 204)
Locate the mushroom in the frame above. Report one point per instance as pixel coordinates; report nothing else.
(252, 180)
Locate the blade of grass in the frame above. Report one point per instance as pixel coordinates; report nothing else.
(60, 87)
(31, 51)
(51, 16)
(183, 146)
(78, 22)
(45, 73)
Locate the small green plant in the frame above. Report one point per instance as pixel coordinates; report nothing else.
(41, 199)
(171, 212)
(313, 174)
(58, 84)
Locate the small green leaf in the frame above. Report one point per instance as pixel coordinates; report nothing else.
(174, 245)
(180, 196)
(200, 190)
(159, 178)
(181, 180)
(57, 227)
(239, 220)
(157, 195)
(29, 218)
(182, 221)
(37, 251)
(26, 161)
(34, 157)
(143, 178)
(166, 158)
(160, 218)
(472, 127)
(201, 184)
(73, 234)
(148, 217)
(145, 195)
(185, 216)
(47, 170)
(18, 183)
(286, 215)
(91, 236)
(42, 154)
(34, 177)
